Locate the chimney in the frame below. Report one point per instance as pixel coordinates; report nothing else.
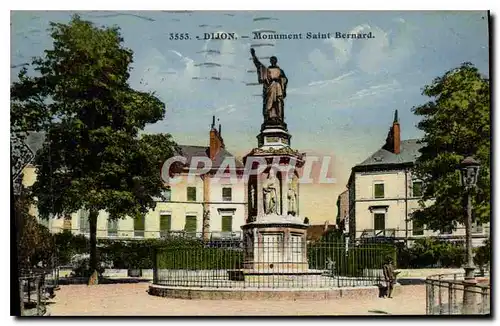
(216, 141)
(396, 131)
(393, 141)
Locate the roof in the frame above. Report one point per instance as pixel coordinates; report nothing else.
(316, 231)
(189, 151)
(409, 153)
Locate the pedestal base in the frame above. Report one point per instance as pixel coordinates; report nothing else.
(275, 244)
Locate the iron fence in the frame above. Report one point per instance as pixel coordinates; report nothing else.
(31, 291)
(274, 264)
(36, 286)
(445, 294)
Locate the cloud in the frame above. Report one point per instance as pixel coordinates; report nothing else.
(385, 52)
(170, 73)
(330, 81)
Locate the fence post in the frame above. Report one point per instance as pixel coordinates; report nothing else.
(38, 296)
(484, 299)
(155, 265)
(427, 296)
(440, 303)
(450, 298)
(21, 296)
(431, 297)
(455, 303)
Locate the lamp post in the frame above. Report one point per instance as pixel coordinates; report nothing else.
(469, 169)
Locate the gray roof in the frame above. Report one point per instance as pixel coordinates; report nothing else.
(409, 153)
(189, 152)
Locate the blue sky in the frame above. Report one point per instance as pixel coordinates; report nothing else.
(341, 93)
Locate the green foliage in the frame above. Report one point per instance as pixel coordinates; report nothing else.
(93, 157)
(194, 258)
(68, 245)
(351, 262)
(482, 257)
(36, 243)
(456, 122)
(431, 252)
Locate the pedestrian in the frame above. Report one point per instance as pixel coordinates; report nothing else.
(389, 276)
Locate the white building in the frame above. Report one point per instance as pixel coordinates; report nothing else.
(222, 203)
(383, 193)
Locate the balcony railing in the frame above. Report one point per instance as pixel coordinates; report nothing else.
(371, 233)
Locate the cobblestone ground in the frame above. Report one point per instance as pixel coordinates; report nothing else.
(133, 300)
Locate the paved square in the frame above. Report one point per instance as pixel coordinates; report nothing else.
(133, 300)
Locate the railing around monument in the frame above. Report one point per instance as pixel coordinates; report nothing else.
(445, 293)
(224, 264)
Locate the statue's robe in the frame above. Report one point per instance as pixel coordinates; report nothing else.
(275, 82)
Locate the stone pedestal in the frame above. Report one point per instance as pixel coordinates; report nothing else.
(275, 235)
(275, 245)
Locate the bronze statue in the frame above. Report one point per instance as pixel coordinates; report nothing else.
(274, 83)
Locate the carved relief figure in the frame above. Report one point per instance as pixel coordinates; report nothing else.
(292, 199)
(252, 197)
(274, 83)
(270, 189)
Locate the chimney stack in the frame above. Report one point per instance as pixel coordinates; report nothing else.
(396, 130)
(393, 141)
(216, 141)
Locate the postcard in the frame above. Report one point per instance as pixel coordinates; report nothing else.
(258, 156)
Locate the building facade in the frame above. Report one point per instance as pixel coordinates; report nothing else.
(210, 205)
(343, 211)
(383, 193)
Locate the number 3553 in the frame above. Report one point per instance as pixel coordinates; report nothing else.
(179, 36)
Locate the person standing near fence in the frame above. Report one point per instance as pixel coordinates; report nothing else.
(389, 276)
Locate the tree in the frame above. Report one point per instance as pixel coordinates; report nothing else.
(93, 157)
(456, 122)
(36, 243)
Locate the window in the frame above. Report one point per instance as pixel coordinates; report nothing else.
(190, 225)
(191, 193)
(227, 223)
(165, 224)
(112, 228)
(446, 230)
(379, 221)
(84, 221)
(139, 226)
(477, 227)
(227, 194)
(417, 228)
(379, 190)
(167, 194)
(417, 189)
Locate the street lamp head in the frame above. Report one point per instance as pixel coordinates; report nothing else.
(469, 169)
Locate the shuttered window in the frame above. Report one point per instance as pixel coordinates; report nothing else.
(165, 224)
(227, 223)
(227, 194)
(417, 189)
(191, 193)
(418, 228)
(379, 190)
(190, 225)
(379, 221)
(139, 226)
(112, 228)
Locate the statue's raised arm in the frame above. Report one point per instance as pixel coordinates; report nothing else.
(274, 83)
(261, 69)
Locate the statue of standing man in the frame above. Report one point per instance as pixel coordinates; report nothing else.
(274, 83)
